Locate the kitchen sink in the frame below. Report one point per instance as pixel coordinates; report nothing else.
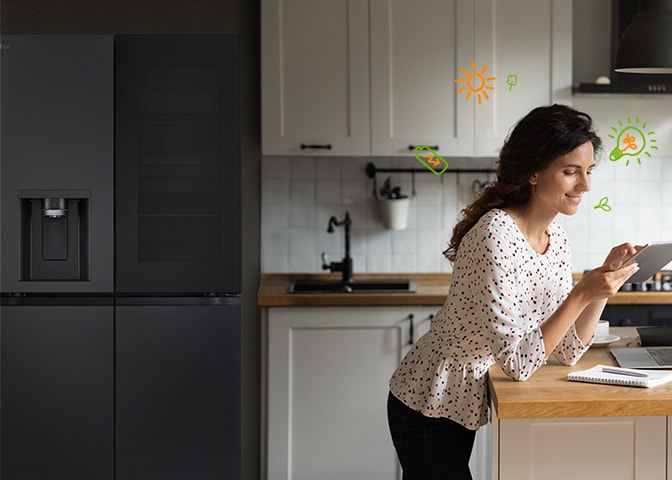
(357, 286)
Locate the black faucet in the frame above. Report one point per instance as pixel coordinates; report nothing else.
(345, 265)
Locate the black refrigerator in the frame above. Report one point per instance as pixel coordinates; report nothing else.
(120, 257)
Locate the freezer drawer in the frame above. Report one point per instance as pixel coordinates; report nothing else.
(178, 392)
(56, 367)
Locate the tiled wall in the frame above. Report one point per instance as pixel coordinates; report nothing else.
(299, 195)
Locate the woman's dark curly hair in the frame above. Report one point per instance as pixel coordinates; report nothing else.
(540, 137)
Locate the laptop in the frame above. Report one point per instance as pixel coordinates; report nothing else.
(643, 357)
(658, 336)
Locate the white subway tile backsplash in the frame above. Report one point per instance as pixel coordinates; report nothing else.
(328, 168)
(378, 262)
(355, 190)
(275, 191)
(302, 241)
(302, 215)
(404, 242)
(327, 191)
(276, 167)
(302, 168)
(299, 195)
(378, 242)
(275, 215)
(404, 262)
(301, 191)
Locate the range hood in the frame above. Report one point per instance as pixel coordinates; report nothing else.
(641, 49)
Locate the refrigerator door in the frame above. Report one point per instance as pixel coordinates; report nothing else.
(178, 163)
(178, 389)
(56, 374)
(56, 163)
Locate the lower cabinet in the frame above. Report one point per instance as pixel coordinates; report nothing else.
(327, 373)
(617, 448)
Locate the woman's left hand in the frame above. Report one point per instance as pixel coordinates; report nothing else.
(619, 254)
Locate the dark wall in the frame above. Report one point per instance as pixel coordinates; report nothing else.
(185, 16)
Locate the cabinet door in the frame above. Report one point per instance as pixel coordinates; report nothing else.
(328, 373)
(57, 392)
(417, 51)
(315, 80)
(178, 392)
(537, 52)
(617, 448)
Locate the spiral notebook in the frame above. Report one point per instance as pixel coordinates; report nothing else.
(621, 376)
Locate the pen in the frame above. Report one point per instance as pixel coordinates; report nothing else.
(618, 371)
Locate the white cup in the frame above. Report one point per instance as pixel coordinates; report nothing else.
(602, 329)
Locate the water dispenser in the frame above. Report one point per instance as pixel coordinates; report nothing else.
(54, 235)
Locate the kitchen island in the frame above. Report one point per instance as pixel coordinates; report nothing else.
(549, 428)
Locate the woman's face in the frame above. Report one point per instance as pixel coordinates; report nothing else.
(559, 187)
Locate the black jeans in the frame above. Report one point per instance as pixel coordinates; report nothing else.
(429, 448)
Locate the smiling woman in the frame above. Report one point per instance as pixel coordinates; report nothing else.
(511, 300)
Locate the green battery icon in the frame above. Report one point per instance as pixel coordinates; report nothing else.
(430, 159)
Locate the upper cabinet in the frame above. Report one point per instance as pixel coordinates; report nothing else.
(527, 46)
(417, 49)
(315, 77)
(379, 77)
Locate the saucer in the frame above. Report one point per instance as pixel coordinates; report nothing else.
(604, 341)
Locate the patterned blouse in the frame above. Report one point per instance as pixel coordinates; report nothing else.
(502, 291)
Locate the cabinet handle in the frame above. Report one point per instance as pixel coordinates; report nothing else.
(410, 329)
(433, 147)
(326, 146)
(431, 319)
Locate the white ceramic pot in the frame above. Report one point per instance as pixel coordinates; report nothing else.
(394, 212)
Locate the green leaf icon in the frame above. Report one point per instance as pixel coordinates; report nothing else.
(603, 204)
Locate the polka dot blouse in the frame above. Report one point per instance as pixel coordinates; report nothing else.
(502, 291)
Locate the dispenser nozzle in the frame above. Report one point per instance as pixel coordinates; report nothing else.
(54, 207)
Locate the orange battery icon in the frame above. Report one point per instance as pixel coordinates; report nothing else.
(430, 159)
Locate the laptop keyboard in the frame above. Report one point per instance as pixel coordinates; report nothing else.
(662, 356)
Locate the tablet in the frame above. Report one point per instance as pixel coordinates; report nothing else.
(651, 259)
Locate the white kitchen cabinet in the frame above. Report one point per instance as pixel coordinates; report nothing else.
(315, 77)
(327, 372)
(618, 448)
(532, 40)
(417, 49)
(316, 88)
(326, 383)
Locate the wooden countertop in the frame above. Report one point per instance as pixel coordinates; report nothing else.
(431, 290)
(548, 393)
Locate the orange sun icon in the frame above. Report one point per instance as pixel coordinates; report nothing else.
(475, 82)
